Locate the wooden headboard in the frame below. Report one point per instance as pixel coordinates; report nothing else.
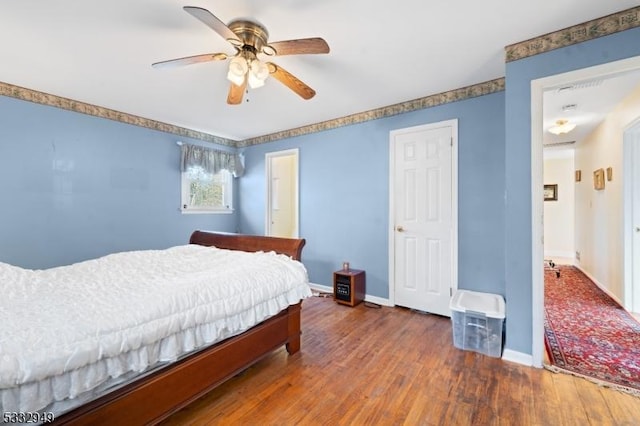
(288, 246)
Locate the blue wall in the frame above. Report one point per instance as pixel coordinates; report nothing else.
(74, 187)
(344, 194)
(519, 74)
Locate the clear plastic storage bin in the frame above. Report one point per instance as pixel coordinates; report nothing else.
(477, 322)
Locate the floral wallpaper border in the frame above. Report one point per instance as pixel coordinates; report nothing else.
(420, 103)
(473, 91)
(84, 108)
(600, 27)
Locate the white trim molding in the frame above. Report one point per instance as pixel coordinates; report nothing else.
(518, 358)
(367, 298)
(321, 288)
(631, 145)
(559, 253)
(600, 286)
(538, 87)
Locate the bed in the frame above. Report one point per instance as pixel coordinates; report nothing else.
(159, 392)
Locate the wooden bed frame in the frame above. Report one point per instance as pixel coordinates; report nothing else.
(156, 396)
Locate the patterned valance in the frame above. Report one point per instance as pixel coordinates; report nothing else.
(211, 160)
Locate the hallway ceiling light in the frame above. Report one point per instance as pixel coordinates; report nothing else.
(561, 127)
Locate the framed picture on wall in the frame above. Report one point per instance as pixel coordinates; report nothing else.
(598, 179)
(551, 192)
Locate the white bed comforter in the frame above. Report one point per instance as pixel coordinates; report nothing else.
(66, 330)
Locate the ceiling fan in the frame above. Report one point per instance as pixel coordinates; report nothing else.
(250, 39)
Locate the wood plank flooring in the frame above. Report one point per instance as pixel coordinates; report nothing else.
(394, 366)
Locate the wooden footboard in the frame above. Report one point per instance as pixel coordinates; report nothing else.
(156, 396)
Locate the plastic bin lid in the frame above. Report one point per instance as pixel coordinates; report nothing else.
(492, 305)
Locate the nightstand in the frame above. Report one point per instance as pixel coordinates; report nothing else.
(349, 286)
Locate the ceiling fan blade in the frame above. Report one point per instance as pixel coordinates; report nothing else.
(291, 81)
(298, 47)
(210, 20)
(236, 93)
(188, 60)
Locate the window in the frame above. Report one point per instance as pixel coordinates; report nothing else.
(204, 192)
(207, 178)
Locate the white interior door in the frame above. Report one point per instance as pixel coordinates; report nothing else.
(422, 215)
(282, 194)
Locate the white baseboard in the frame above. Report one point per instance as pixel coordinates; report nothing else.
(377, 300)
(517, 357)
(600, 285)
(367, 297)
(321, 288)
(507, 355)
(559, 253)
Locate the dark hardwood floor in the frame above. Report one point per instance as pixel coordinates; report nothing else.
(393, 366)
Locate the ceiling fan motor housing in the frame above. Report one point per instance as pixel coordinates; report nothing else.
(251, 34)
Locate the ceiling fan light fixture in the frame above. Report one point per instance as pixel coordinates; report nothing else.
(258, 73)
(238, 67)
(254, 82)
(561, 127)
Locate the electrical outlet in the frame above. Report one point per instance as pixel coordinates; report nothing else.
(577, 255)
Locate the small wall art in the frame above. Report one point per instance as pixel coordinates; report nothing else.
(598, 179)
(578, 175)
(609, 173)
(551, 192)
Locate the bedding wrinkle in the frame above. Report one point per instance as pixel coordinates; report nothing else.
(71, 328)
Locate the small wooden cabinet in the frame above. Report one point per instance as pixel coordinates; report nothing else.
(349, 286)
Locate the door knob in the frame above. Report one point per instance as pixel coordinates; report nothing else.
(399, 229)
(637, 228)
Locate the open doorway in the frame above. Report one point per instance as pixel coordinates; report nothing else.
(559, 203)
(599, 253)
(281, 214)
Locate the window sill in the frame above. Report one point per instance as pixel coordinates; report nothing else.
(196, 211)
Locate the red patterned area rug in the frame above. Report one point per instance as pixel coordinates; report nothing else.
(588, 334)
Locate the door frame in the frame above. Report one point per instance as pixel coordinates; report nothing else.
(268, 157)
(631, 143)
(538, 86)
(453, 124)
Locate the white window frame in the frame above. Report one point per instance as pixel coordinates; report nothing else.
(226, 179)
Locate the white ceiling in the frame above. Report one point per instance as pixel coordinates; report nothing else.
(591, 99)
(382, 52)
